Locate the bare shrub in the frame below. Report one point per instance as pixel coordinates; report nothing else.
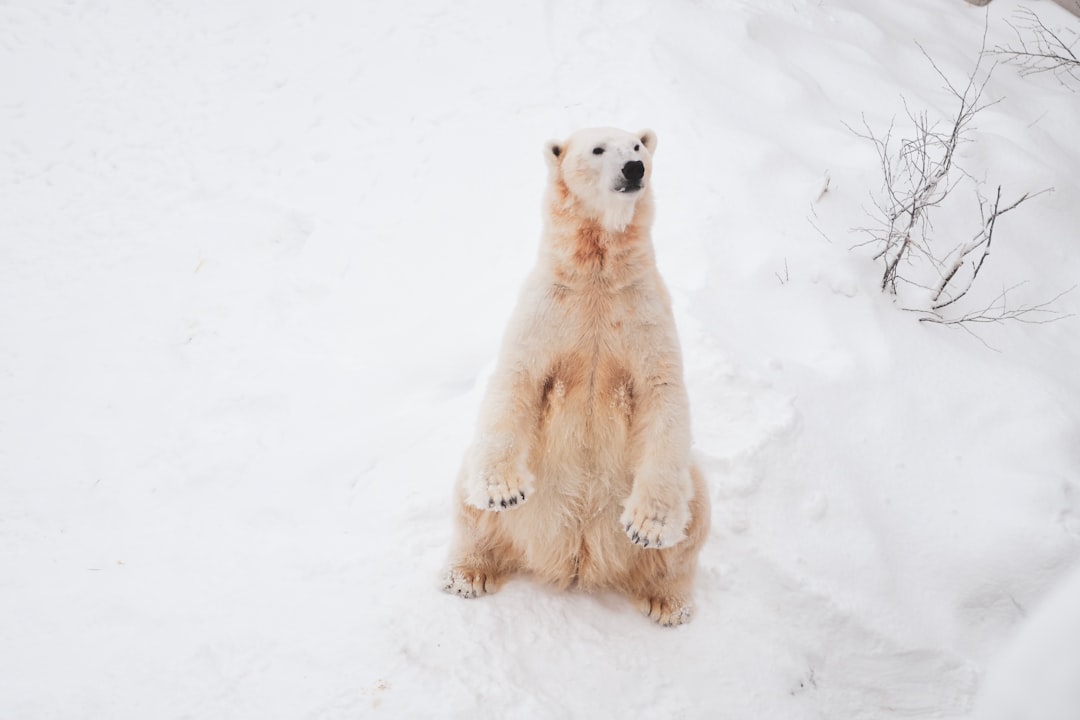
(930, 273)
(1040, 49)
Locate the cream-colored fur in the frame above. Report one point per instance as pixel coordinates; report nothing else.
(580, 472)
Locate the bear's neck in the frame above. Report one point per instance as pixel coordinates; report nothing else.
(585, 253)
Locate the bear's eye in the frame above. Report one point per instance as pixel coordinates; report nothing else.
(636, 148)
(598, 151)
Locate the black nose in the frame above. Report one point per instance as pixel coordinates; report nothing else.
(634, 170)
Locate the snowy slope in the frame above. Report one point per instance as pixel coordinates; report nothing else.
(254, 265)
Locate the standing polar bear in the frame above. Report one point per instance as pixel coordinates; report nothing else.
(580, 472)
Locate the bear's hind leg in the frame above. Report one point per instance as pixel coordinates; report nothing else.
(661, 585)
(482, 560)
(661, 582)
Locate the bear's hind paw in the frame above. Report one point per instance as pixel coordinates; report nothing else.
(668, 612)
(469, 583)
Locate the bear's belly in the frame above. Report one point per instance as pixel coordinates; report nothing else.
(584, 422)
(568, 532)
(581, 459)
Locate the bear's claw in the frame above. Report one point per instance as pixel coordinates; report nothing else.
(650, 534)
(650, 529)
(504, 503)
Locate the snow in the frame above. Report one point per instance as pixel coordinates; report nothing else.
(1035, 676)
(254, 266)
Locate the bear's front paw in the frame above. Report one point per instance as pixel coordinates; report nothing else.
(501, 491)
(651, 526)
(503, 499)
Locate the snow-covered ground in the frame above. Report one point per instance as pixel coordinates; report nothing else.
(255, 260)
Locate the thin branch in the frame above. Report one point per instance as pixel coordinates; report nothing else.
(1041, 49)
(999, 311)
(983, 239)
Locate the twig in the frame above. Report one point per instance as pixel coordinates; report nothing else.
(983, 239)
(1041, 49)
(786, 277)
(999, 311)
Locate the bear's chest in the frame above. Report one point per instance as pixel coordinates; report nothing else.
(596, 321)
(596, 348)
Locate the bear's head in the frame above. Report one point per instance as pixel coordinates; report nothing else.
(604, 171)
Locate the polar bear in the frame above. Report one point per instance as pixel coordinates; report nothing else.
(580, 472)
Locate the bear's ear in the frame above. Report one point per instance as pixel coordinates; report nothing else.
(648, 139)
(553, 152)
